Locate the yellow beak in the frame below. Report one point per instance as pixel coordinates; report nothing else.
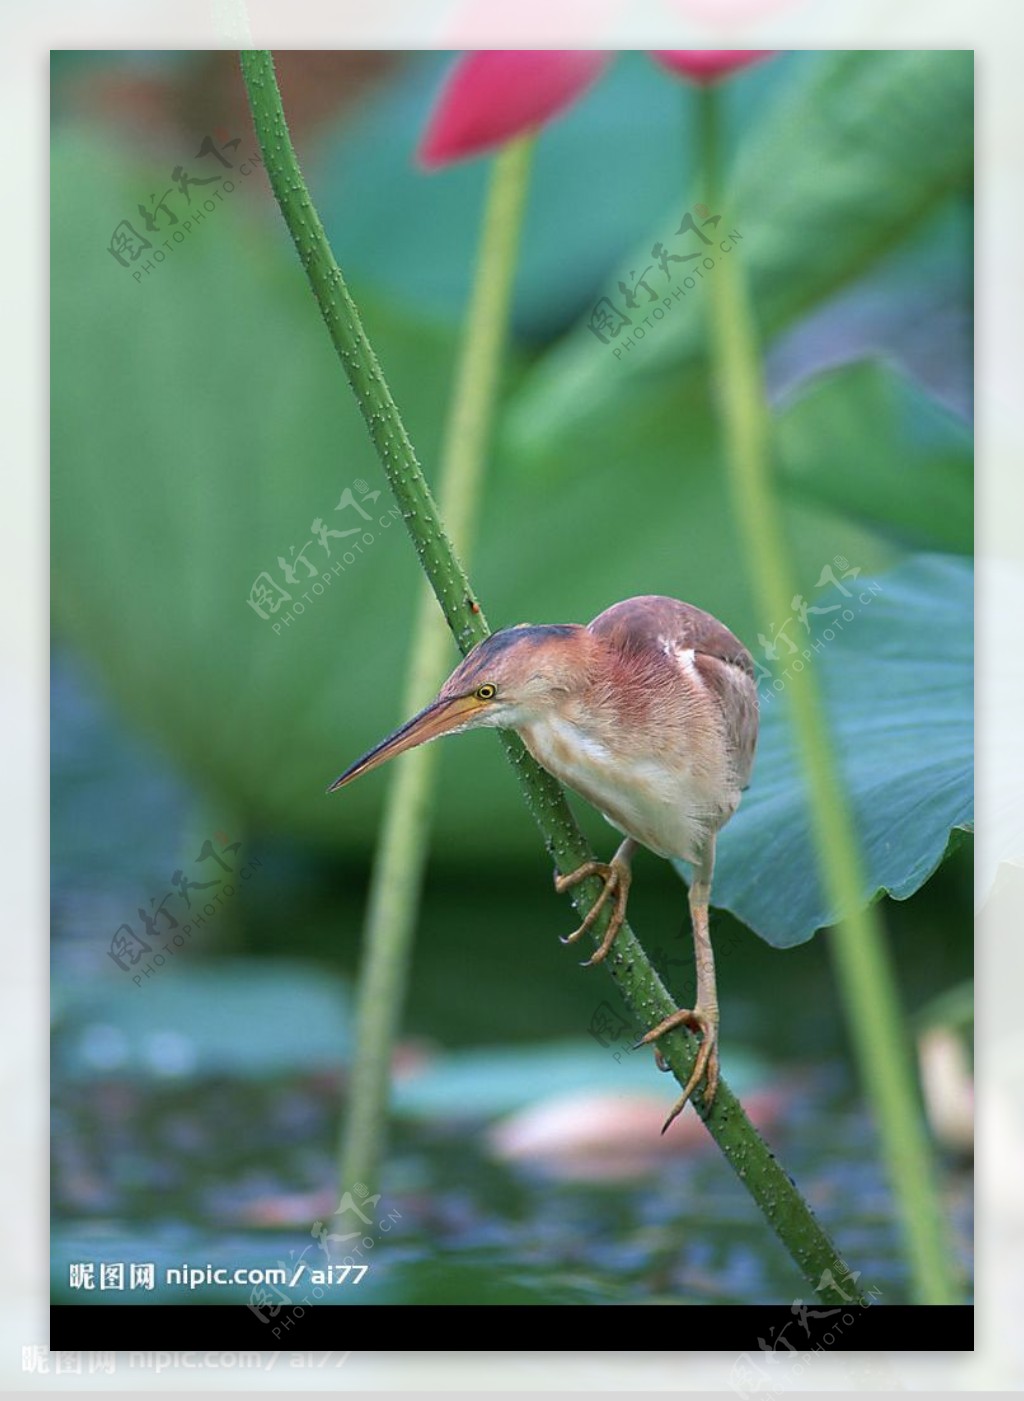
(440, 717)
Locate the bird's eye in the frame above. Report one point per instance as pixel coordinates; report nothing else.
(486, 692)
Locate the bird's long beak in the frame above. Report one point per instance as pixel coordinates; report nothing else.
(440, 717)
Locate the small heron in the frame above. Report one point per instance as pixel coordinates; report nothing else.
(650, 714)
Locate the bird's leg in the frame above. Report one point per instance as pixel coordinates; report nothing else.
(703, 1016)
(616, 875)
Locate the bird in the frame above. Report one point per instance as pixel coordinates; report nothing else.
(650, 713)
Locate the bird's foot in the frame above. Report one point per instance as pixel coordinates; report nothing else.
(616, 876)
(706, 1064)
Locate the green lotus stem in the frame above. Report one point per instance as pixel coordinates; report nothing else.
(866, 977)
(769, 1185)
(397, 875)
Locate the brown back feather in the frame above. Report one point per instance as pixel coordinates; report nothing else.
(637, 626)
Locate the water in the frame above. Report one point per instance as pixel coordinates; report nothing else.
(196, 1116)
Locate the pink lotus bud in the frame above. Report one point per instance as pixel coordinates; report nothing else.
(708, 65)
(492, 95)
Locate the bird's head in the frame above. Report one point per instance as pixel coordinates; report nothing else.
(511, 677)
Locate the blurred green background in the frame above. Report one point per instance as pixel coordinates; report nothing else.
(200, 430)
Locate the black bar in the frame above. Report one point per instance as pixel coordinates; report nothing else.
(180, 1328)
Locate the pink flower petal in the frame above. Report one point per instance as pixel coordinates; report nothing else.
(495, 94)
(613, 1136)
(708, 65)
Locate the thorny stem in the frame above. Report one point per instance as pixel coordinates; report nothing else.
(396, 879)
(858, 942)
(787, 1213)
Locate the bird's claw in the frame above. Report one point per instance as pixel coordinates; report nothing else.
(706, 1064)
(616, 877)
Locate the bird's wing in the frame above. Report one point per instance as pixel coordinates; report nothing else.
(720, 658)
(651, 619)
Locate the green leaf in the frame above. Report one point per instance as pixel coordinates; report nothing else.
(199, 429)
(854, 157)
(913, 309)
(898, 682)
(870, 444)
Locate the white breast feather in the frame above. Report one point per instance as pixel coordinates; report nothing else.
(641, 797)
